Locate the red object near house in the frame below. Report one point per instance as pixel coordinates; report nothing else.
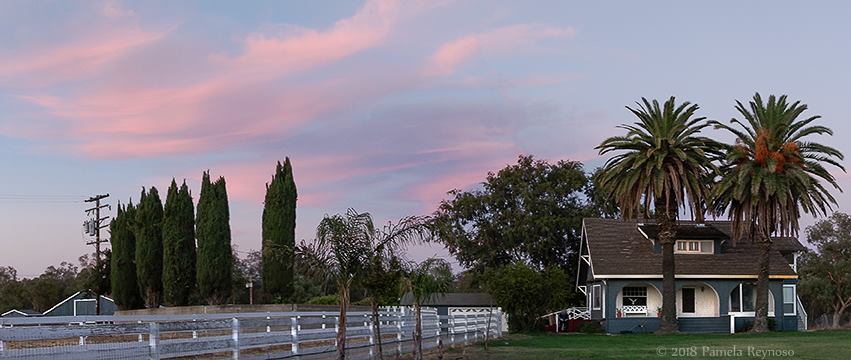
(574, 325)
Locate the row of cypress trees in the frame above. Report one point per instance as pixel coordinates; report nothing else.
(154, 248)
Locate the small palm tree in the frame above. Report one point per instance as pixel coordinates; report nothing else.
(662, 161)
(431, 277)
(383, 267)
(769, 175)
(339, 252)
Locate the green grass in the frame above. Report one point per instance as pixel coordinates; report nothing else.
(786, 345)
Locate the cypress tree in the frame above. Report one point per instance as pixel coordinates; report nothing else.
(178, 246)
(149, 247)
(214, 241)
(125, 287)
(279, 215)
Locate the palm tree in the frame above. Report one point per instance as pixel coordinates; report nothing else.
(339, 252)
(770, 175)
(662, 161)
(383, 267)
(431, 277)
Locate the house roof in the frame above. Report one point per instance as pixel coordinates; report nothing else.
(617, 247)
(21, 312)
(78, 294)
(453, 299)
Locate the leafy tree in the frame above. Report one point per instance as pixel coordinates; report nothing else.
(92, 276)
(279, 215)
(178, 246)
(52, 286)
(661, 160)
(125, 286)
(149, 247)
(518, 289)
(531, 211)
(12, 291)
(770, 175)
(431, 277)
(215, 259)
(339, 252)
(826, 273)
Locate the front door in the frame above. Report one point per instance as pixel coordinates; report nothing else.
(688, 300)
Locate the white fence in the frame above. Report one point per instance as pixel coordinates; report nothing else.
(241, 335)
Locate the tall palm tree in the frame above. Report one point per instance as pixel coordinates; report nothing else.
(662, 161)
(383, 267)
(339, 252)
(431, 277)
(769, 175)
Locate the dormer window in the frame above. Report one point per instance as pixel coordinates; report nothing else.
(695, 247)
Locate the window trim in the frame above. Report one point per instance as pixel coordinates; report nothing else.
(687, 246)
(741, 304)
(596, 289)
(794, 303)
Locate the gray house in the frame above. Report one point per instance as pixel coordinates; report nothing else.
(620, 272)
(82, 303)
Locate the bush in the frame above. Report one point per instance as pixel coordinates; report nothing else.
(324, 300)
(525, 293)
(591, 327)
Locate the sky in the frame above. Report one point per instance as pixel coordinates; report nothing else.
(381, 105)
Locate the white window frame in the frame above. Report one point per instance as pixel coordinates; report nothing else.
(794, 288)
(596, 289)
(741, 303)
(687, 247)
(82, 301)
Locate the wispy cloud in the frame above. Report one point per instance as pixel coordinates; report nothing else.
(453, 54)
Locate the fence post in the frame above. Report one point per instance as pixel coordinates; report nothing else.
(451, 325)
(82, 341)
(235, 337)
(194, 331)
(294, 333)
(268, 327)
(466, 329)
(371, 328)
(323, 321)
(399, 326)
(439, 338)
(154, 340)
(336, 328)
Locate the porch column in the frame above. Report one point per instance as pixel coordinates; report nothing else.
(776, 288)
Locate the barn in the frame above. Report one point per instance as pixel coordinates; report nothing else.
(82, 303)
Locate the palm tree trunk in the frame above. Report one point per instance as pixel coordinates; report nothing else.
(418, 334)
(344, 305)
(666, 217)
(760, 321)
(376, 327)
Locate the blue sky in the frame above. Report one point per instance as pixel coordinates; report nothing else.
(381, 105)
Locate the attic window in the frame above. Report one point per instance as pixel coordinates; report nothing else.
(694, 247)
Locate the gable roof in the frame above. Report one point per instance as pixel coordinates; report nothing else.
(20, 313)
(77, 295)
(453, 299)
(617, 247)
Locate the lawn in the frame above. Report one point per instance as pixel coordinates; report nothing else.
(788, 345)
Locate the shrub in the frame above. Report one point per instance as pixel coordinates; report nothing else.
(591, 327)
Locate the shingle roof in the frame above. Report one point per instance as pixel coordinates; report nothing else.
(618, 248)
(453, 299)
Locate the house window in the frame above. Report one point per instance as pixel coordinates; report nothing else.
(635, 295)
(742, 298)
(596, 296)
(695, 247)
(789, 299)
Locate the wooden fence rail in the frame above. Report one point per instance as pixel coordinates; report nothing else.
(276, 335)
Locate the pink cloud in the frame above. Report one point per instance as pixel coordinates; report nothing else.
(451, 55)
(76, 59)
(241, 99)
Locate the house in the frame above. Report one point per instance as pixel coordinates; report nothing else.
(620, 272)
(19, 313)
(82, 303)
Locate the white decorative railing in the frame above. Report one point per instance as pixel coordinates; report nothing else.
(576, 313)
(275, 335)
(635, 309)
(802, 314)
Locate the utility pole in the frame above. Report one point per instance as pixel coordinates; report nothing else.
(250, 286)
(93, 227)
